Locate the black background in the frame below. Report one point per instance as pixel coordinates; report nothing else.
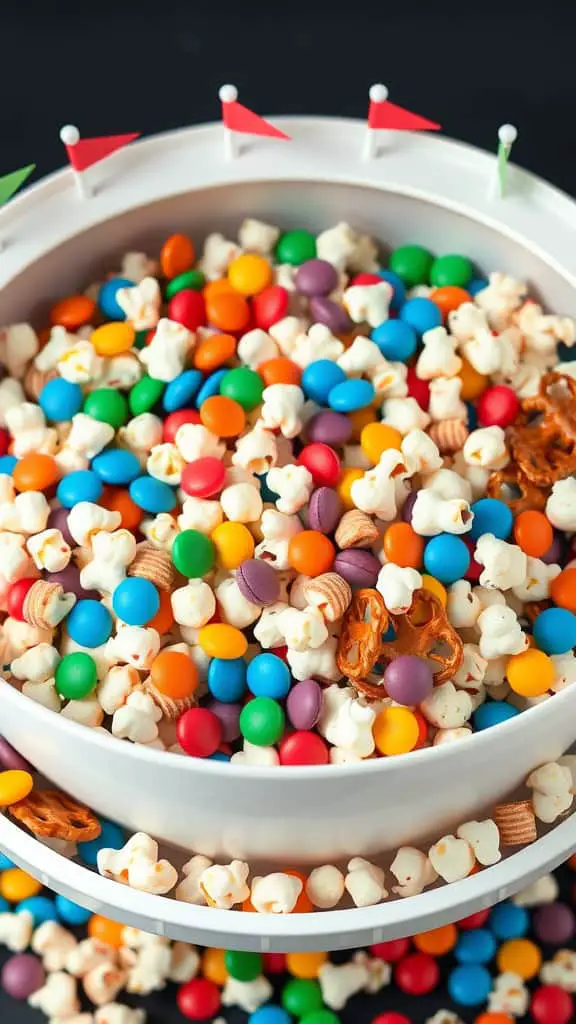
(133, 67)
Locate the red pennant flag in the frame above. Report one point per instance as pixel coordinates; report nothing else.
(389, 116)
(238, 118)
(83, 153)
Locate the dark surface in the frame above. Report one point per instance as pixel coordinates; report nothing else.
(130, 68)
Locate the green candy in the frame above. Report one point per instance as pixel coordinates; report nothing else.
(107, 406)
(296, 247)
(243, 966)
(189, 279)
(320, 1017)
(301, 997)
(244, 385)
(412, 263)
(451, 270)
(76, 676)
(193, 553)
(261, 720)
(144, 395)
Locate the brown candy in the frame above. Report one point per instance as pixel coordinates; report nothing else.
(54, 815)
(543, 439)
(154, 565)
(516, 823)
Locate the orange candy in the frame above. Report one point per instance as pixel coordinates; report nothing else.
(473, 383)
(35, 472)
(437, 941)
(563, 589)
(221, 286)
(449, 298)
(214, 351)
(494, 1018)
(177, 255)
(214, 967)
(403, 546)
(227, 310)
(305, 965)
(311, 553)
(223, 416)
(164, 618)
(117, 500)
(280, 371)
(571, 862)
(533, 533)
(303, 903)
(105, 930)
(73, 312)
(359, 419)
(174, 674)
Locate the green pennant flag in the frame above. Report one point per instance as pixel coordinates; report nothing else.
(503, 157)
(10, 183)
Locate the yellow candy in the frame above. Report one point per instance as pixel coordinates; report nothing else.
(305, 965)
(435, 587)
(359, 419)
(221, 641)
(347, 478)
(395, 731)
(213, 966)
(14, 786)
(520, 956)
(473, 383)
(377, 438)
(16, 885)
(531, 673)
(234, 544)
(249, 274)
(112, 339)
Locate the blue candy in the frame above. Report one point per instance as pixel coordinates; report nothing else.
(111, 837)
(89, 623)
(107, 297)
(116, 466)
(218, 755)
(152, 495)
(211, 386)
(227, 679)
(396, 340)
(469, 985)
(399, 296)
(491, 516)
(136, 601)
(351, 395)
(476, 946)
(182, 390)
(422, 314)
(493, 712)
(266, 492)
(477, 285)
(269, 1014)
(81, 485)
(446, 557)
(72, 913)
(6, 863)
(7, 463)
(555, 630)
(319, 378)
(60, 399)
(5, 907)
(268, 676)
(41, 908)
(471, 416)
(508, 921)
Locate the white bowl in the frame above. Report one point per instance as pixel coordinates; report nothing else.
(422, 189)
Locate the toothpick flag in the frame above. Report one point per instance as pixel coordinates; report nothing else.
(386, 116)
(241, 120)
(507, 135)
(10, 183)
(84, 153)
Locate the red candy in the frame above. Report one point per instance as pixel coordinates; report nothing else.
(497, 407)
(188, 307)
(204, 477)
(552, 1005)
(477, 920)
(322, 462)
(418, 389)
(303, 747)
(417, 974)
(474, 570)
(198, 999)
(274, 963)
(16, 597)
(4, 441)
(199, 733)
(392, 951)
(391, 1017)
(270, 306)
(364, 279)
(177, 419)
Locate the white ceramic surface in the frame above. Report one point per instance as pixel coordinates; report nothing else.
(421, 188)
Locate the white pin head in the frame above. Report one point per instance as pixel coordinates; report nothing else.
(507, 133)
(378, 93)
(69, 135)
(228, 93)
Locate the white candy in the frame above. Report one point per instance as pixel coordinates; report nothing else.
(54, 944)
(500, 632)
(141, 304)
(438, 357)
(137, 865)
(195, 441)
(368, 303)
(241, 503)
(345, 722)
(505, 565)
(137, 718)
(282, 405)
(49, 550)
(193, 605)
(561, 505)
(445, 402)
(451, 858)
(235, 608)
(412, 870)
(87, 519)
(325, 886)
(36, 665)
(257, 236)
(404, 414)
(397, 585)
(16, 930)
(446, 707)
(552, 791)
(57, 997)
(112, 554)
(276, 893)
(365, 882)
(248, 995)
(256, 347)
(486, 447)
(339, 982)
(188, 890)
(302, 630)
(134, 645)
(293, 484)
(217, 255)
(484, 838)
(256, 451)
(224, 885)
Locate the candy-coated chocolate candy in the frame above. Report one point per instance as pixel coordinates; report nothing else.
(359, 568)
(417, 974)
(491, 516)
(214, 351)
(318, 379)
(177, 255)
(71, 913)
(204, 477)
(73, 312)
(551, 1004)
(324, 509)
(403, 546)
(41, 908)
(135, 601)
(493, 713)
(322, 462)
(198, 999)
(303, 747)
(497, 406)
(89, 623)
(219, 640)
(108, 406)
(113, 339)
(262, 721)
(305, 965)
(311, 553)
(475, 946)
(449, 297)
(16, 885)
(35, 472)
(280, 370)
(520, 956)
(446, 557)
(421, 314)
(452, 270)
(188, 308)
(304, 703)
(76, 676)
(60, 400)
(243, 966)
(22, 975)
(177, 419)
(412, 264)
(187, 279)
(554, 630)
(116, 466)
(352, 394)
(324, 310)
(193, 553)
(533, 533)
(111, 838)
(295, 247)
(14, 786)
(377, 438)
(228, 311)
(107, 301)
(258, 581)
(234, 544)
(531, 673)
(152, 495)
(408, 680)
(437, 941)
(268, 676)
(11, 760)
(395, 731)
(249, 273)
(145, 394)
(469, 984)
(17, 593)
(563, 590)
(333, 428)
(555, 924)
(182, 390)
(199, 732)
(396, 339)
(223, 416)
(508, 921)
(105, 930)
(227, 679)
(315, 277)
(80, 485)
(244, 386)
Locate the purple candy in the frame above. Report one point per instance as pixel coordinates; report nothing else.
(324, 510)
(408, 506)
(69, 579)
(333, 428)
(257, 581)
(315, 277)
(555, 551)
(359, 568)
(22, 975)
(58, 520)
(554, 924)
(408, 680)
(304, 703)
(326, 311)
(10, 759)
(229, 715)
